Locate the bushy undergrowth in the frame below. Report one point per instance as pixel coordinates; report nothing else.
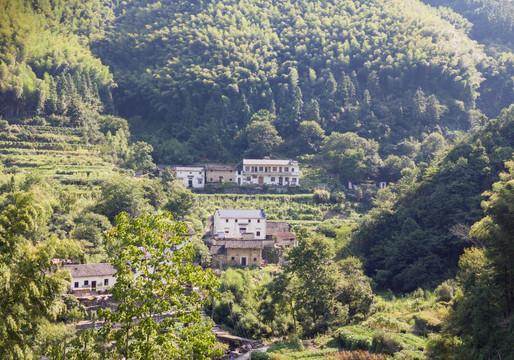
(356, 355)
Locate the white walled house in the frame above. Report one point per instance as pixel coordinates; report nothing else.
(270, 172)
(191, 176)
(91, 277)
(239, 224)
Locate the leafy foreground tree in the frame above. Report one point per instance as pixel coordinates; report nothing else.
(319, 291)
(160, 294)
(30, 283)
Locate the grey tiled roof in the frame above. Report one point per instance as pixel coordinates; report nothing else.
(220, 167)
(181, 168)
(85, 270)
(241, 214)
(275, 227)
(222, 246)
(269, 162)
(286, 235)
(243, 244)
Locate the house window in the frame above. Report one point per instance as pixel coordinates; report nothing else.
(226, 220)
(242, 230)
(280, 169)
(274, 168)
(258, 220)
(258, 233)
(86, 282)
(76, 284)
(260, 168)
(286, 169)
(254, 259)
(210, 179)
(235, 220)
(287, 179)
(248, 178)
(273, 179)
(200, 181)
(232, 258)
(249, 220)
(229, 179)
(106, 282)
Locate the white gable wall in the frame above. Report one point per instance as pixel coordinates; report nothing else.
(239, 225)
(192, 179)
(86, 282)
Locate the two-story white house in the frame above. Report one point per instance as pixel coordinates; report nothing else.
(91, 277)
(270, 172)
(233, 224)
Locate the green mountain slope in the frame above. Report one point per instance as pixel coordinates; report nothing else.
(46, 66)
(493, 20)
(56, 152)
(191, 74)
(417, 239)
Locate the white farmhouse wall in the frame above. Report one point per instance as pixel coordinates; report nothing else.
(270, 172)
(192, 177)
(239, 224)
(86, 283)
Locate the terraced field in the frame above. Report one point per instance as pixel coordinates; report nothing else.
(57, 152)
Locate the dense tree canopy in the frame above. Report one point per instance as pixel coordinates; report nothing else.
(31, 284)
(481, 325)
(410, 239)
(196, 72)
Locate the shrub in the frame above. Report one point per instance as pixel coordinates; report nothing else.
(321, 196)
(259, 355)
(446, 291)
(355, 355)
(384, 342)
(293, 344)
(418, 293)
(353, 341)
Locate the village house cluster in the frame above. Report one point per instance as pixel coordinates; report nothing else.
(235, 238)
(245, 238)
(269, 172)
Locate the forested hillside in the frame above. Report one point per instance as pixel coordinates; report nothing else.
(416, 234)
(191, 75)
(46, 67)
(492, 21)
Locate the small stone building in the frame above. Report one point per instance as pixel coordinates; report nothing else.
(220, 173)
(236, 252)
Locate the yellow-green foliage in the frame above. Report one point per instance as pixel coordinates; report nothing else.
(56, 152)
(398, 327)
